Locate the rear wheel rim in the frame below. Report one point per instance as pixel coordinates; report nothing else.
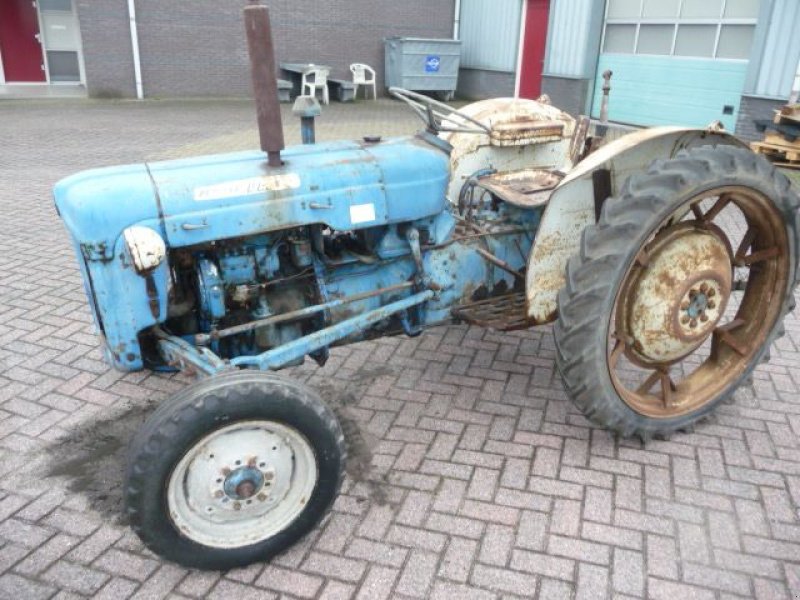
(723, 344)
(242, 484)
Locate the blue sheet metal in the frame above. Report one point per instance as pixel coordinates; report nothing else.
(344, 185)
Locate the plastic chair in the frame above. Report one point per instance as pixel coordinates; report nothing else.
(364, 75)
(314, 79)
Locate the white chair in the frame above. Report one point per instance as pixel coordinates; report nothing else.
(314, 79)
(364, 75)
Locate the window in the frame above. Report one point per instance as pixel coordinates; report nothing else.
(620, 39)
(690, 28)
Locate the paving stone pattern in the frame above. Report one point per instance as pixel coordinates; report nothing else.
(471, 475)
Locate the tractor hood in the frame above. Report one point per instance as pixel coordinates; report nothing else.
(344, 185)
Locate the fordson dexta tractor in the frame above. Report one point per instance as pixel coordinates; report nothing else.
(666, 258)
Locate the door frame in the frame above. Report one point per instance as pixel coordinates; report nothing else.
(81, 65)
(41, 41)
(521, 47)
(523, 43)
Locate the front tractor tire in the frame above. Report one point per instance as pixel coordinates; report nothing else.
(233, 470)
(678, 291)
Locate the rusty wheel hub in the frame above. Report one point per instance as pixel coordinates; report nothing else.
(676, 302)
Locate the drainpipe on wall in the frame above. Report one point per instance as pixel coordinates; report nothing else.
(457, 19)
(523, 21)
(137, 65)
(795, 96)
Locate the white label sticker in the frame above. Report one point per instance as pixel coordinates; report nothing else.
(248, 187)
(362, 213)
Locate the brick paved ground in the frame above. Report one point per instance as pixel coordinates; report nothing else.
(472, 475)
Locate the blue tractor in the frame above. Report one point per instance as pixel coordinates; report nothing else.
(667, 259)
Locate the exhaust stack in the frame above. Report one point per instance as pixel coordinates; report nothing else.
(265, 83)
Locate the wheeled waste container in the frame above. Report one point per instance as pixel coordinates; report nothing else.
(422, 64)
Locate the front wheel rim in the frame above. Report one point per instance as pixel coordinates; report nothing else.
(242, 484)
(734, 342)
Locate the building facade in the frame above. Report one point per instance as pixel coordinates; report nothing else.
(40, 42)
(684, 62)
(118, 48)
(502, 47)
(687, 62)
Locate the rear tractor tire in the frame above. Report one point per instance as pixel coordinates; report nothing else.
(678, 291)
(233, 470)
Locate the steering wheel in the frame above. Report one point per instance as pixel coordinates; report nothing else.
(438, 116)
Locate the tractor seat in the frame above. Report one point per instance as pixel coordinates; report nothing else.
(525, 188)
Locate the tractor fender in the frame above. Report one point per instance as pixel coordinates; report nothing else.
(571, 206)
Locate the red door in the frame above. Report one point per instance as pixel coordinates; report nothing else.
(533, 45)
(21, 50)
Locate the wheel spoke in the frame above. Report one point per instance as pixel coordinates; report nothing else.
(698, 212)
(667, 388)
(758, 256)
(660, 376)
(720, 205)
(722, 335)
(649, 382)
(744, 245)
(643, 258)
(619, 348)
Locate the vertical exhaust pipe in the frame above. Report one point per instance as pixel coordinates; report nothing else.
(601, 130)
(604, 102)
(265, 83)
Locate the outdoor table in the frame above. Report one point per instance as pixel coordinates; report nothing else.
(294, 73)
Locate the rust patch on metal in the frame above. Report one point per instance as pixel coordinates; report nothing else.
(526, 188)
(503, 313)
(522, 131)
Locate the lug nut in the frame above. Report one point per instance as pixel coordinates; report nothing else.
(237, 505)
(685, 305)
(712, 292)
(712, 304)
(704, 288)
(685, 319)
(262, 496)
(693, 323)
(703, 317)
(219, 494)
(269, 476)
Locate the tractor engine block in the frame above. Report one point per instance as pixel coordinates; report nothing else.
(233, 282)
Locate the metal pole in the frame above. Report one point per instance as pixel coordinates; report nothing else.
(137, 63)
(265, 83)
(307, 130)
(457, 20)
(203, 339)
(286, 353)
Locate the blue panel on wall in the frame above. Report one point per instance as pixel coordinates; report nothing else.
(664, 90)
